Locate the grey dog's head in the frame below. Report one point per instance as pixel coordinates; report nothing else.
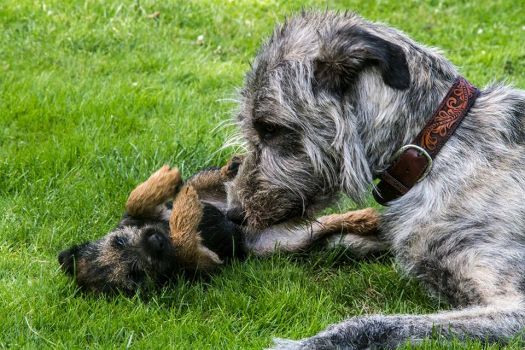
(296, 115)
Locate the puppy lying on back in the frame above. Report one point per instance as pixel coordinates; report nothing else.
(171, 230)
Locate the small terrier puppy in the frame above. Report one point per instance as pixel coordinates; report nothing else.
(172, 230)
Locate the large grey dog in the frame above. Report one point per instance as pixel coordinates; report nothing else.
(329, 100)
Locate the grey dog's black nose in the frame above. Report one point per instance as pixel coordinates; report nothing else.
(236, 214)
(157, 242)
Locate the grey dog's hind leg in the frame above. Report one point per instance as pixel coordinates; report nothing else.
(486, 324)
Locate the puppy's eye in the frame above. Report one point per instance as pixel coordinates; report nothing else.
(119, 241)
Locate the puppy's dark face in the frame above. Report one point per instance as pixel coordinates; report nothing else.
(136, 254)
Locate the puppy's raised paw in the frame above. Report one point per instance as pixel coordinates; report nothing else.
(157, 189)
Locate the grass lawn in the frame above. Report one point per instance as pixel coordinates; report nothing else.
(95, 95)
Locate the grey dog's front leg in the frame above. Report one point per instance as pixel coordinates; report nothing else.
(374, 332)
(487, 324)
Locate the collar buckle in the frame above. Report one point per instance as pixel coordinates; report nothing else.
(422, 151)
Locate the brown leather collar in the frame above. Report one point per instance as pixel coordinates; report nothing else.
(414, 161)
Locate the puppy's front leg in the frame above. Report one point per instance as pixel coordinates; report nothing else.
(184, 231)
(358, 228)
(356, 231)
(362, 222)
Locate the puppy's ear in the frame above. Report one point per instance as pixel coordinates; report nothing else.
(345, 52)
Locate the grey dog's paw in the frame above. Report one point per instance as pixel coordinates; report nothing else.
(313, 343)
(286, 344)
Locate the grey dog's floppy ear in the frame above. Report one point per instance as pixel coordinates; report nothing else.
(345, 52)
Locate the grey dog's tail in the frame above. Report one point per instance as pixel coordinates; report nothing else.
(488, 324)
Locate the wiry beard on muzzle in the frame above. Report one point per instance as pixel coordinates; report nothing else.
(271, 189)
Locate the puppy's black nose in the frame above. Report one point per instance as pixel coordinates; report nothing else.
(67, 261)
(236, 215)
(157, 242)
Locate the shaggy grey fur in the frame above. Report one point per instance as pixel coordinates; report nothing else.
(329, 100)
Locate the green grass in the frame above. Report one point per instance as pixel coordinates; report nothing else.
(94, 96)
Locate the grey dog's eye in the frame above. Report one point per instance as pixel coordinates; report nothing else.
(265, 130)
(269, 128)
